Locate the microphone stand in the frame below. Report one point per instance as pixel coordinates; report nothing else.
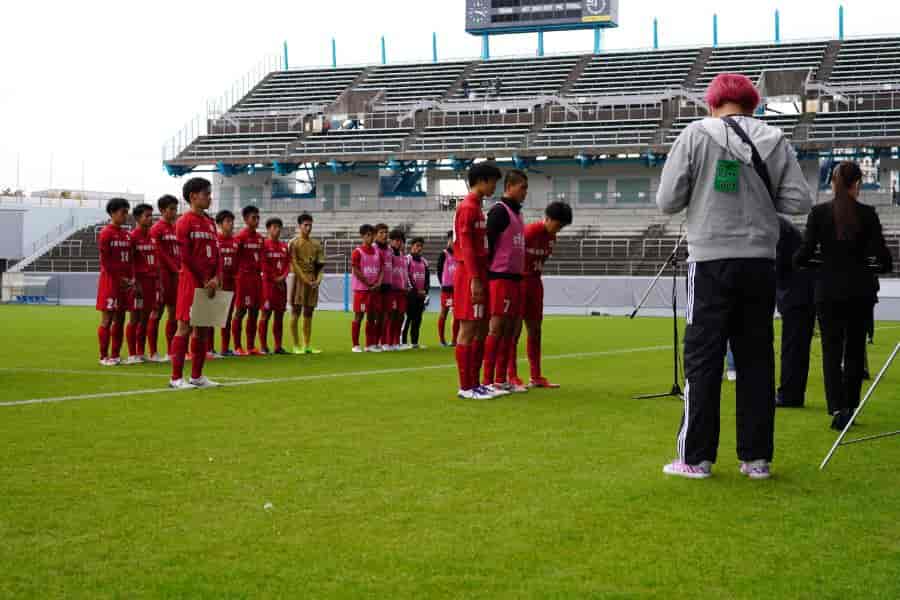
(673, 261)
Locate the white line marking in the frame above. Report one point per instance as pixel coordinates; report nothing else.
(316, 377)
(110, 372)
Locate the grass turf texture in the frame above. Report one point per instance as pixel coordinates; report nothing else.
(387, 486)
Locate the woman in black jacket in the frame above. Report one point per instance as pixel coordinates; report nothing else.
(843, 240)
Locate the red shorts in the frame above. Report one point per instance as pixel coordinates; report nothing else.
(168, 285)
(447, 300)
(463, 309)
(505, 298)
(366, 302)
(275, 296)
(248, 291)
(396, 301)
(111, 297)
(532, 299)
(149, 298)
(186, 288)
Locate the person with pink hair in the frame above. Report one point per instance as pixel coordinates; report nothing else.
(733, 174)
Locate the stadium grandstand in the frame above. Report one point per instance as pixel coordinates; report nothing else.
(347, 144)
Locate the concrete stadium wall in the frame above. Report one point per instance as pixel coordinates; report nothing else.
(562, 295)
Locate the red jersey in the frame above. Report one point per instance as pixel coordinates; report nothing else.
(116, 251)
(227, 251)
(249, 250)
(275, 261)
(538, 247)
(470, 243)
(199, 248)
(167, 251)
(145, 262)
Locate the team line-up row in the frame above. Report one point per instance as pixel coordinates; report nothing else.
(155, 269)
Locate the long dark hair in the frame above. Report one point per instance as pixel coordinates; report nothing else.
(846, 222)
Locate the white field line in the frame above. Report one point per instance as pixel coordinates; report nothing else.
(316, 377)
(109, 372)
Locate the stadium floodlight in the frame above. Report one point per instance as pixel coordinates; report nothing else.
(840, 440)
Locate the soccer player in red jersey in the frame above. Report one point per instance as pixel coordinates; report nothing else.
(368, 271)
(446, 268)
(227, 251)
(163, 234)
(116, 278)
(470, 292)
(384, 300)
(276, 266)
(540, 238)
(506, 259)
(199, 249)
(144, 296)
(248, 290)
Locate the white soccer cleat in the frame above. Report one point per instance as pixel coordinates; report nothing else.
(374, 349)
(181, 384)
(731, 375)
(204, 382)
(497, 390)
(109, 362)
(483, 393)
(357, 350)
(158, 358)
(517, 389)
(134, 360)
(465, 394)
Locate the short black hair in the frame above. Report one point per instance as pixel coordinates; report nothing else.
(194, 185)
(397, 234)
(274, 221)
(222, 215)
(559, 211)
(417, 240)
(486, 171)
(381, 226)
(449, 234)
(139, 210)
(366, 229)
(249, 210)
(166, 201)
(116, 204)
(515, 177)
(304, 218)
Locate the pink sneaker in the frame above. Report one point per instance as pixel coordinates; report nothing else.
(756, 469)
(700, 471)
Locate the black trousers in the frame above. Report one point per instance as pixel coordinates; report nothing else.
(729, 301)
(843, 327)
(415, 308)
(797, 325)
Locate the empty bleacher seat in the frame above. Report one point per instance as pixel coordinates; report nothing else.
(228, 146)
(867, 61)
(856, 125)
(753, 60)
(518, 78)
(786, 123)
(413, 82)
(633, 72)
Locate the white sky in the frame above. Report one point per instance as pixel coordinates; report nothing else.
(105, 83)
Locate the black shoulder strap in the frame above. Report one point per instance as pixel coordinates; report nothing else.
(758, 165)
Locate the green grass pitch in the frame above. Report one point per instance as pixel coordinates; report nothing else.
(313, 479)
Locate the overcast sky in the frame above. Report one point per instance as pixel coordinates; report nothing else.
(104, 83)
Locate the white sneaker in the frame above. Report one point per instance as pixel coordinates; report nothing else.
(731, 375)
(483, 393)
(465, 394)
(374, 349)
(158, 358)
(134, 360)
(204, 382)
(497, 390)
(213, 356)
(357, 349)
(109, 362)
(181, 384)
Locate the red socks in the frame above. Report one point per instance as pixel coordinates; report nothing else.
(263, 331)
(491, 347)
(534, 356)
(179, 349)
(198, 353)
(464, 366)
(355, 326)
(131, 338)
(103, 339)
(371, 333)
(278, 330)
(442, 325)
(236, 333)
(251, 331)
(503, 351)
(141, 337)
(455, 330)
(115, 335)
(512, 363)
(152, 334)
(477, 350)
(171, 327)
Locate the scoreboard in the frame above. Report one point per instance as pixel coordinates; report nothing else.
(521, 16)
